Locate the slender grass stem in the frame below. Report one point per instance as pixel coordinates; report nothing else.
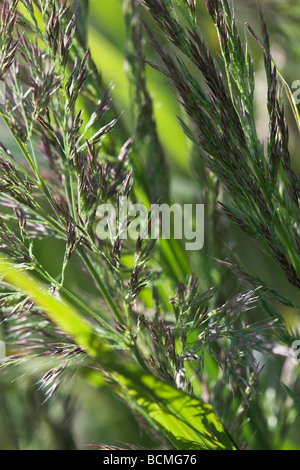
(79, 303)
(100, 285)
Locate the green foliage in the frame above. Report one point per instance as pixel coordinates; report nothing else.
(189, 423)
(184, 339)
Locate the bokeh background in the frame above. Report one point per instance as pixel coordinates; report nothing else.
(81, 413)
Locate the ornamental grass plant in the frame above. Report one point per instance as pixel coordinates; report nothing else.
(136, 342)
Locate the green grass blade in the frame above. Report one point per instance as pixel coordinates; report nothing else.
(189, 423)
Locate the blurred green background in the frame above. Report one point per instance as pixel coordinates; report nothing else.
(81, 413)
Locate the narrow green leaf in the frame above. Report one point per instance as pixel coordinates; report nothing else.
(189, 423)
(292, 394)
